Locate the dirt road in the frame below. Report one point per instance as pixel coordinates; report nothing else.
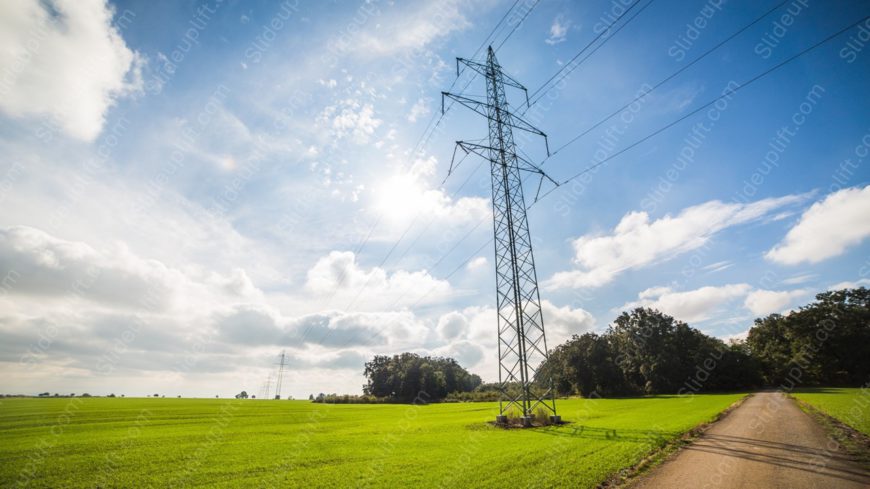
(767, 442)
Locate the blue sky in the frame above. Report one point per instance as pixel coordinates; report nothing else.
(188, 188)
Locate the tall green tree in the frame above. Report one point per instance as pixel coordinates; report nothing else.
(825, 342)
(406, 376)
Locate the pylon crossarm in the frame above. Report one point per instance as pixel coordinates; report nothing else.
(466, 101)
(482, 69)
(518, 122)
(475, 148)
(508, 118)
(453, 164)
(480, 150)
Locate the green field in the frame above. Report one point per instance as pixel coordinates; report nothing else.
(100, 442)
(851, 406)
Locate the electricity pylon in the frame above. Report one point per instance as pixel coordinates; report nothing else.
(280, 377)
(267, 386)
(522, 344)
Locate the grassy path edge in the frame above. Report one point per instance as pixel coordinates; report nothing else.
(628, 475)
(852, 441)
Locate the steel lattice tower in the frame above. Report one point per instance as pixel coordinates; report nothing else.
(280, 377)
(522, 344)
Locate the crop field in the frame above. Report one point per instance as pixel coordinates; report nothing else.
(851, 406)
(100, 442)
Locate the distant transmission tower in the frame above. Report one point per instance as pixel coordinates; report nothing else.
(522, 345)
(280, 377)
(267, 386)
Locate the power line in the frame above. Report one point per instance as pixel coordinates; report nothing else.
(671, 76)
(651, 135)
(421, 143)
(459, 73)
(517, 26)
(492, 33)
(640, 141)
(728, 93)
(570, 68)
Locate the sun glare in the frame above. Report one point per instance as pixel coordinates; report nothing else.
(400, 197)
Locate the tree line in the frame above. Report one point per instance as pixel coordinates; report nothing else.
(645, 351)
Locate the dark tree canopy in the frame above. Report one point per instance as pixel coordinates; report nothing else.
(826, 342)
(404, 377)
(648, 352)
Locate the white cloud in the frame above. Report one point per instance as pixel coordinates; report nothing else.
(468, 354)
(718, 266)
(412, 29)
(260, 325)
(799, 279)
(50, 268)
(476, 332)
(477, 263)
(419, 109)
(850, 284)
(826, 229)
(689, 306)
(764, 302)
(339, 274)
(350, 118)
(558, 30)
(69, 65)
(451, 326)
(560, 323)
(736, 337)
(47, 266)
(636, 241)
(407, 195)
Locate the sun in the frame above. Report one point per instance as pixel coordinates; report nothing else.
(400, 197)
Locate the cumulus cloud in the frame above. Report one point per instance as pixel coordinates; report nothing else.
(408, 195)
(560, 323)
(764, 302)
(64, 60)
(48, 266)
(689, 306)
(475, 341)
(338, 273)
(637, 241)
(452, 325)
(260, 325)
(468, 354)
(558, 30)
(45, 266)
(826, 229)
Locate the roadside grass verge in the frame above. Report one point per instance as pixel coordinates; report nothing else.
(850, 406)
(843, 413)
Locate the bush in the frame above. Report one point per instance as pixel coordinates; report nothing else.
(475, 396)
(349, 399)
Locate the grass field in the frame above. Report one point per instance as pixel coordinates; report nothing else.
(851, 406)
(100, 442)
